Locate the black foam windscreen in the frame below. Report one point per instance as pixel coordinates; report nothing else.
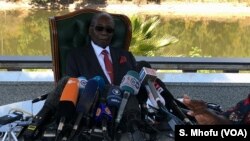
(132, 110)
(141, 64)
(53, 98)
(142, 94)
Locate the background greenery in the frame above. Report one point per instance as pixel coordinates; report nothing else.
(25, 33)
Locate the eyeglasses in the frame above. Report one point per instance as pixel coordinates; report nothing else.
(107, 29)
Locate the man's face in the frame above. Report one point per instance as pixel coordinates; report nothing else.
(102, 31)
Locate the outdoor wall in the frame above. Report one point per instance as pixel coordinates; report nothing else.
(223, 89)
(224, 94)
(19, 91)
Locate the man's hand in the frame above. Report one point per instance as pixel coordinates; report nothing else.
(202, 114)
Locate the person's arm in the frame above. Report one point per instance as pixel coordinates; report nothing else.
(202, 114)
(71, 65)
(132, 59)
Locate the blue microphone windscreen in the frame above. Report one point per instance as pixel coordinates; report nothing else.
(101, 82)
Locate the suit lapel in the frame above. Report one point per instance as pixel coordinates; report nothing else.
(93, 63)
(115, 62)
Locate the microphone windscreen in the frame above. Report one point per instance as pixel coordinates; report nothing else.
(69, 98)
(87, 97)
(70, 91)
(142, 95)
(114, 97)
(131, 82)
(132, 110)
(82, 82)
(101, 82)
(53, 98)
(163, 91)
(142, 64)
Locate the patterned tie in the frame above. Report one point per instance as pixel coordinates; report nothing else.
(108, 65)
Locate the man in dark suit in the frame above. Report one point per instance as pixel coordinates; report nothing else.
(88, 61)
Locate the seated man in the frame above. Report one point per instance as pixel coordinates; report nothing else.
(90, 60)
(239, 114)
(98, 58)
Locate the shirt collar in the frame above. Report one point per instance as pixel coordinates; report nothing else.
(98, 50)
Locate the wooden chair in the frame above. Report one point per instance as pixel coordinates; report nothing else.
(71, 30)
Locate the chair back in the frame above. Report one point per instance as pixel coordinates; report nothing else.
(71, 30)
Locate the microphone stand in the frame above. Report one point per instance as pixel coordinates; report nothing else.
(105, 131)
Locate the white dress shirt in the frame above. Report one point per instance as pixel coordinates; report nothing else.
(98, 52)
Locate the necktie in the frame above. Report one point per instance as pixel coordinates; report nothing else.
(108, 65)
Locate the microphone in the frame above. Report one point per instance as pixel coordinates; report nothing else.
(147, 77)
(132, 118)
(101, 82)
(130, 85)
(82, 83)
(103, 115)
(114, 98)
(36, 127)
(142, 96)
(42, 97)
(53, 98)
(86, 104)
(165, 95)
(68, 99)
(171, 102)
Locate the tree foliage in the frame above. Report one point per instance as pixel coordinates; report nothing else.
(145, 41)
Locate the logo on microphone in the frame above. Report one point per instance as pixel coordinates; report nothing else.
(83, 82)
(116, 92)
(158, 87)
(135, 83)
(131, 82)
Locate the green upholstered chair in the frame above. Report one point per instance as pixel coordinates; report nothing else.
(71, 30)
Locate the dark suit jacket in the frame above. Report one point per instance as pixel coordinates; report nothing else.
(83, 62)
